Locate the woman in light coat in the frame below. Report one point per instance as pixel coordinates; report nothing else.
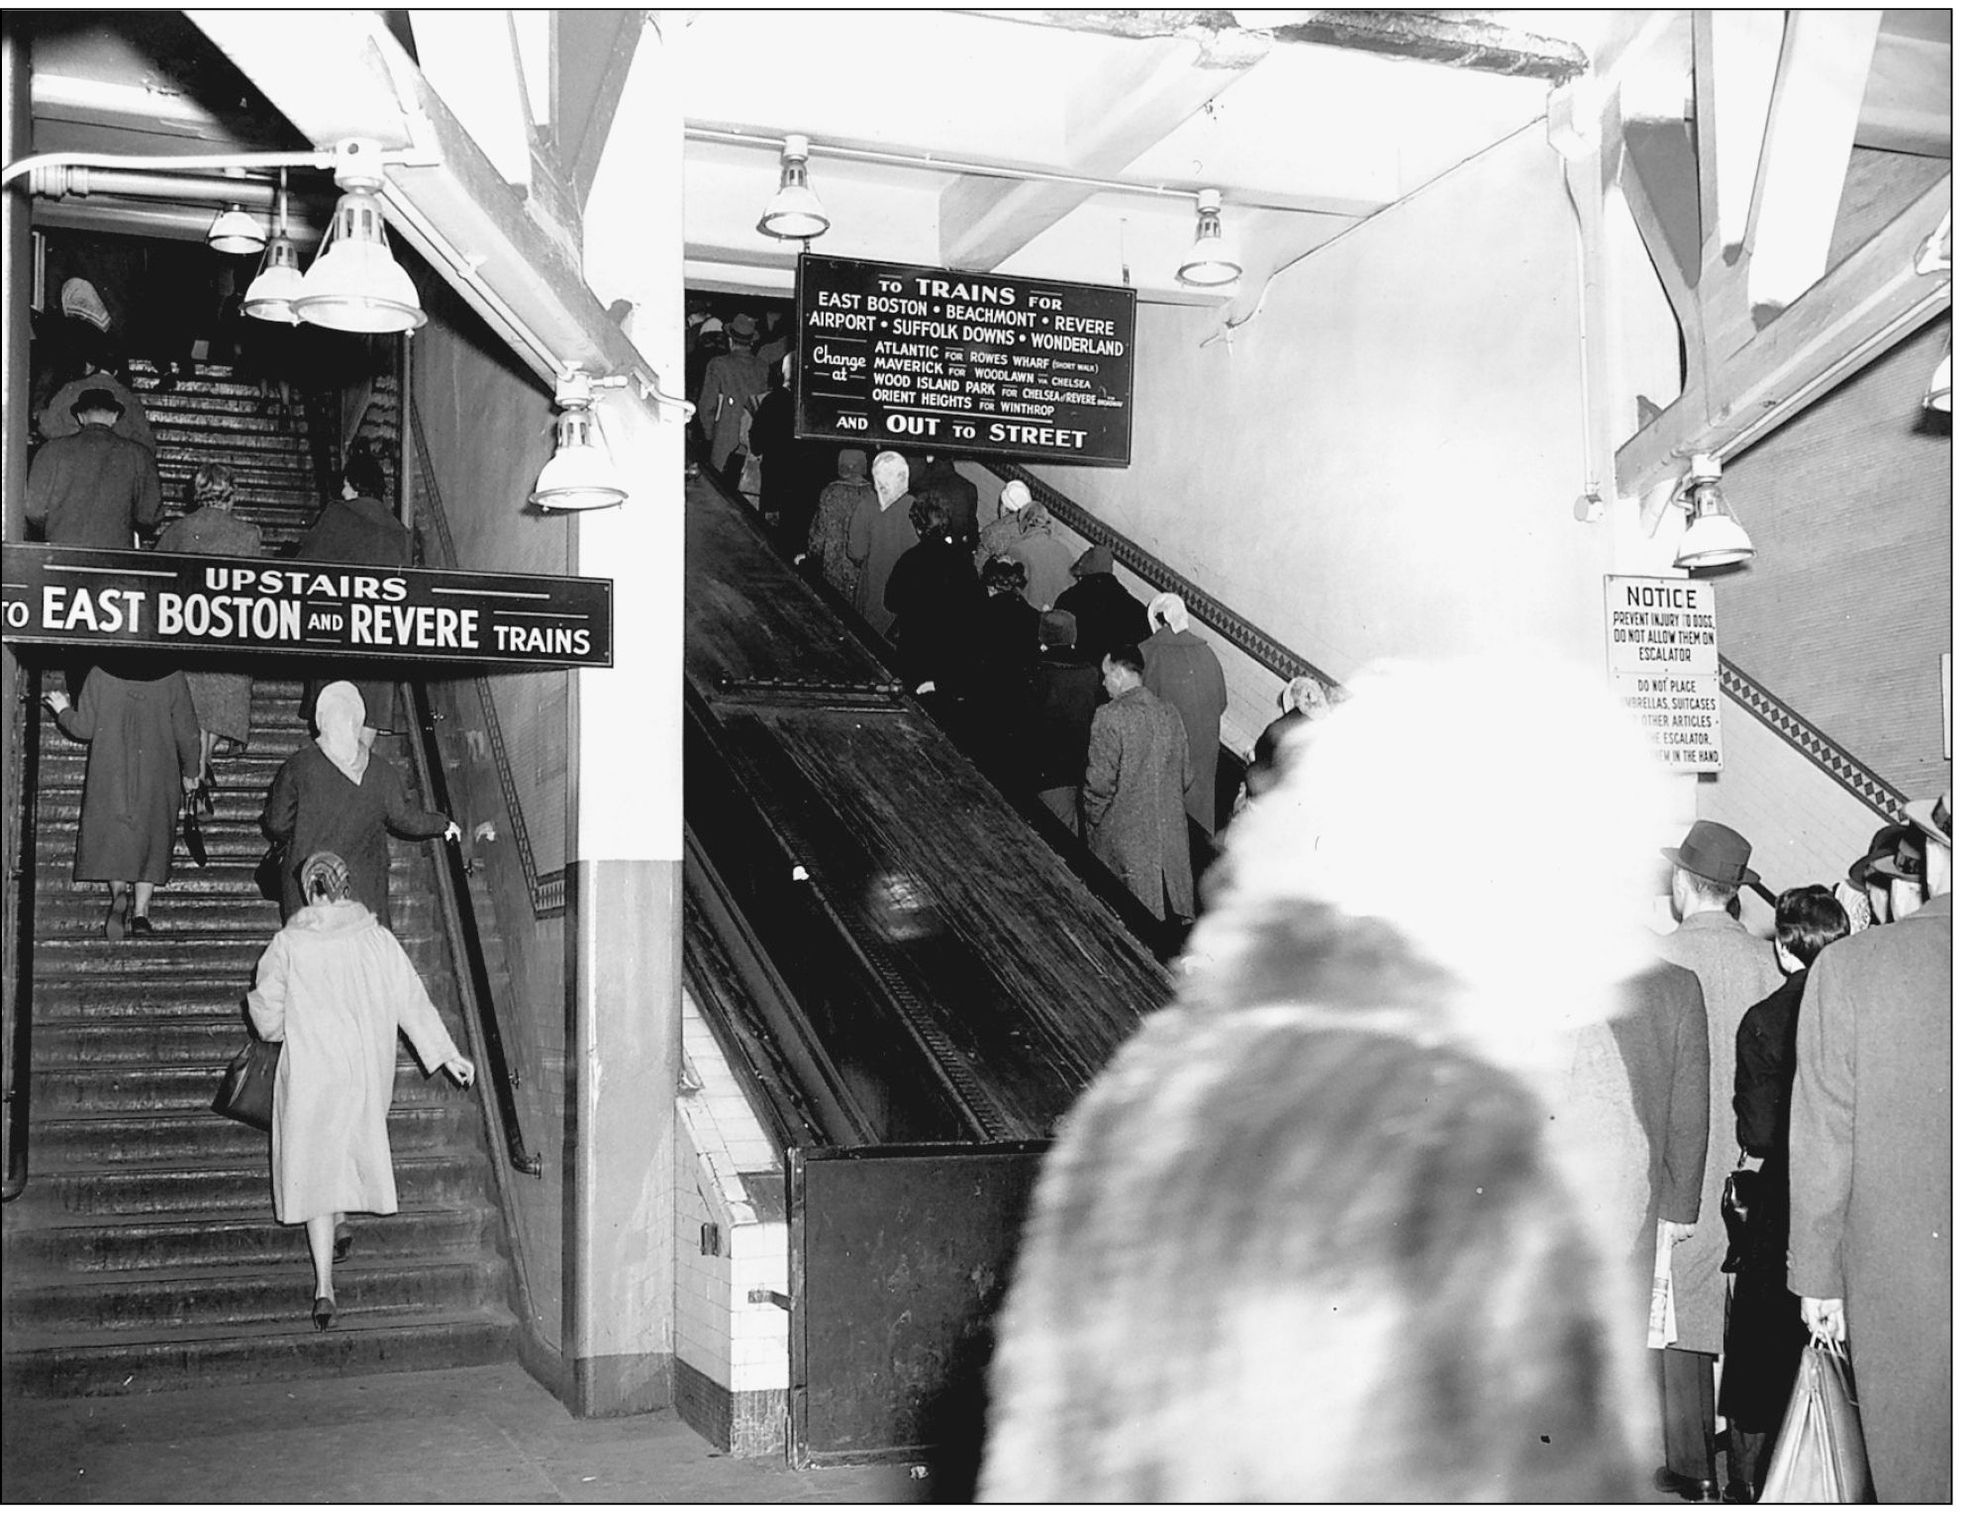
(336, 987)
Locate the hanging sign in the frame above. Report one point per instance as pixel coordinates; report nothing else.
(1666, 665)
(976, 363)
(75, 596)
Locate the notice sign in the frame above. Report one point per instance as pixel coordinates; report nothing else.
(74, 596)
(893, 355)
(1666, 666)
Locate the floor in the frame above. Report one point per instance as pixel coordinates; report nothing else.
(467, 1435)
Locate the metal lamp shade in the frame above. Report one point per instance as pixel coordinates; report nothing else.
(235, 232)
(271, 295)
(1714, 538)
(580, 475)
(355, 284)
(1211, 261)
(794, 212)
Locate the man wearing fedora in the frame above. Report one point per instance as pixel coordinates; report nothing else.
(731, 382)
(1736, 970)
(1871, 1231)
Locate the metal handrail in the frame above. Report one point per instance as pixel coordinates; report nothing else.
(454, 890)
(20, 1069)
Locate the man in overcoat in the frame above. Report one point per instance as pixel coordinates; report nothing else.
(1137, 770)
(1736, 970)
(94, 488)
(1871, 1234)
(1182, 668)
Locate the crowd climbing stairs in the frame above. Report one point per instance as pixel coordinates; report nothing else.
(143, 1254)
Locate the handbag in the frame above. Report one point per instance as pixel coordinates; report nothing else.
(1820, 1453)
(1745, 1211)
(246, 1087)
(194, 835)
(266, 872)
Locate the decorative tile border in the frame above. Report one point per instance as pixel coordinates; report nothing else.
(1202, 605)
(1269, 652)
(1858, 779)
(549, 891)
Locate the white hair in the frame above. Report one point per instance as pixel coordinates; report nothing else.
(891, 477)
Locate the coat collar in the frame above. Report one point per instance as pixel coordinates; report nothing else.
(1713, 919)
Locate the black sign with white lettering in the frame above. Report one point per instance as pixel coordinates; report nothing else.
(898, 356)
(74, 596)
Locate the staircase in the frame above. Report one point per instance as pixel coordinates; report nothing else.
(144, 1254)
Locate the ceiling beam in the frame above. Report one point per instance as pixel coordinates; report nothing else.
(341, 74)
(1420, 36)
(1807, 148)
(1841, 323)
(1146, 94)
(593, 52)
(472, 61)
(1909, 102)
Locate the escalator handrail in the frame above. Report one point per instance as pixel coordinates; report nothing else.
(21, 1059)
(454, 890)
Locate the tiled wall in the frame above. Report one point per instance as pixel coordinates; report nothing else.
(731, 1243)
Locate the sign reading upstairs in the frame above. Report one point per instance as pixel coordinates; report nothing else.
(976, 363)
(76, 596)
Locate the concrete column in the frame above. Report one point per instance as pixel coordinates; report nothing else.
(626, 827)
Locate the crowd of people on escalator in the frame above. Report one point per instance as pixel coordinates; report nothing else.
(1020, 643)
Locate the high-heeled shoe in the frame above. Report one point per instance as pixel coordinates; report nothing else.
(140, 925)
(344, 1245)
(324, 1312)
(113, 926)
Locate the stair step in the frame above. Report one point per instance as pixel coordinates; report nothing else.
(156, 1302)
(184, 1088)
(403, 1340)
(84, 1143)
(177, 911)
(162, 1189)
(87, 1244)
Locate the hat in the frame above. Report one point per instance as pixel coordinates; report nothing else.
(96, 399)
(1058, 628)
(1094, 560)
(1884, 847)
(80, 300)
(1935, 818)
(1905, 857)
(1015, 495)
(1170, 611)
(742, 325)
(713, 324)
(1714, 852)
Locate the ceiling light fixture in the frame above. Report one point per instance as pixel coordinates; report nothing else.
(1714, 538)
(580, 475)
(235, 232)
(794, 213)
(1212, 261)
(271, 295)
(354, 283)
(1940, 388)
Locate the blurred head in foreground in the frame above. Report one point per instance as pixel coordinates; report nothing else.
(1311, 1235)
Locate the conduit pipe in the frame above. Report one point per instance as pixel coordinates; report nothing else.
(59, 181)
(139, 163)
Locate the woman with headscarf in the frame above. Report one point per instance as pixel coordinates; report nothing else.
(137, 718)
(877, 536)
(826, 538)
(335, 987)
(1179, 666)
(224, 701)
(1304, 700)
(335, 795)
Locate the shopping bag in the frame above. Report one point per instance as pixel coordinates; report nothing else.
(246, 1087)
(1820, 1452)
